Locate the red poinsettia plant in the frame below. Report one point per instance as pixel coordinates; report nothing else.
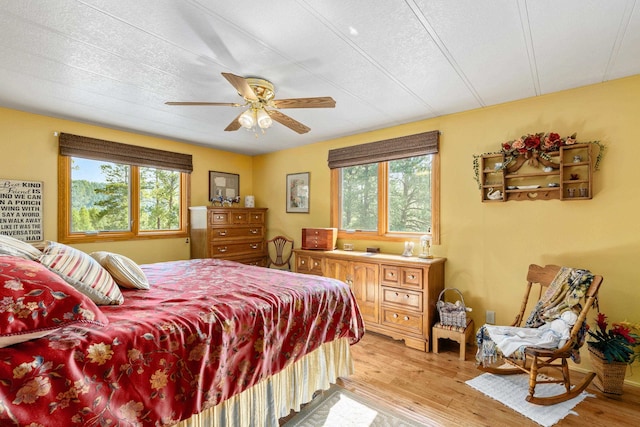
(618, 343)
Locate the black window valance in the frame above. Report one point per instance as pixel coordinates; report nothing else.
(99, 149)
(389, 149)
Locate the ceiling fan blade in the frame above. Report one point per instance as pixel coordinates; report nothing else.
(288, 121)
(241, 85)
(319, 102)
(234, 125)
(221, 104)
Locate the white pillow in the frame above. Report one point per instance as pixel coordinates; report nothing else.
(14, 247)
(124, 270)
(82, 272)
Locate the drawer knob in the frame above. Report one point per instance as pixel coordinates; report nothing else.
(395, 315)
(315, 264)
(254, 246)
(406, 317)
(392, 274)
(406, 296)
(254, 231)
(222, 249)
(219, 217)
(411, 276)
(302, 262)
(239, 217)
(222, 232)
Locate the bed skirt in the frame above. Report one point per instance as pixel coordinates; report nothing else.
(273, 398)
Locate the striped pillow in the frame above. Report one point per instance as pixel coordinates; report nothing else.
(14, 247)
(124, 270)
(82, 272)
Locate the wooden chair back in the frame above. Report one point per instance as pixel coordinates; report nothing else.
(279, 252)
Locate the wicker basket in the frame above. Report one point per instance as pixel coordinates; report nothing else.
(452, 314)
(609, 376)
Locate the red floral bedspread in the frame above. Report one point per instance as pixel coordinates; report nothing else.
(207, 329)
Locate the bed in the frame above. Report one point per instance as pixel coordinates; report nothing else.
(211, 342)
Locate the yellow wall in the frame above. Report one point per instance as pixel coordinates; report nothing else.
(490, 245)
(29, 152)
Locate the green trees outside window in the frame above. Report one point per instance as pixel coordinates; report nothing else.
(102, 194)
(407, 190)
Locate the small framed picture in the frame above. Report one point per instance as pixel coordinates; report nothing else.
(298, 192)
(223, 186)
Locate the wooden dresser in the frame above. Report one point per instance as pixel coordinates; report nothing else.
(236, 234)
(397, 295)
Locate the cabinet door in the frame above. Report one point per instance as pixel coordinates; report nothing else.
(337, 269)
(364, 283)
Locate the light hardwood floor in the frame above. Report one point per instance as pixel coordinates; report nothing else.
(431, 389)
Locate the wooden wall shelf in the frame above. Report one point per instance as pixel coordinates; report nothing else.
(569, 177)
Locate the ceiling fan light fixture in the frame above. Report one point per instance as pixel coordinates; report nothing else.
(248, 119)
(259, 94)
(264, 119)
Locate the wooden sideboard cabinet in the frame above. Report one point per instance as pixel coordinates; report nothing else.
(236, 234)
(397, 295)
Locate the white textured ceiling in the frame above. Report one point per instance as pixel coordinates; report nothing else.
(115, 62)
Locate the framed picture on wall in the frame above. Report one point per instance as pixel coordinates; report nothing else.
(298, 192)
(223, 186)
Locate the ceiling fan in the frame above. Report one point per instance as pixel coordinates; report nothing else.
(259, 97)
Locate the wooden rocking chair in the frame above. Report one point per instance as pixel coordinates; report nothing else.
(538, 358)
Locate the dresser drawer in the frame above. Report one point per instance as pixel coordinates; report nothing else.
(240, 217)
(224, 250)
(405, 277)
(411, 278)
(402, 298)
(219, 218)
(251, 259)
(237, 232)
(400, 319)
(323, 239)
(256, 217)
(308, 264)
(390, 275)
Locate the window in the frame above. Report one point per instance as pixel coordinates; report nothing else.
(110, 198)
(387, 190)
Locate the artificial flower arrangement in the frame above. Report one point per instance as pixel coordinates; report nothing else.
(618, 344)
(535, 144)
(534, 147)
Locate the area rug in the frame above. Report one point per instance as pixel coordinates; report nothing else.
(338, 407)
(511, 390)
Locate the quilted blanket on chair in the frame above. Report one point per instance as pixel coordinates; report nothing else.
(548, 325)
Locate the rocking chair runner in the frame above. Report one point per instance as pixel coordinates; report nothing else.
(536, 359)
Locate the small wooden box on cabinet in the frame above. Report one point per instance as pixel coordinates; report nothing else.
(323, 239)
(236, 234)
